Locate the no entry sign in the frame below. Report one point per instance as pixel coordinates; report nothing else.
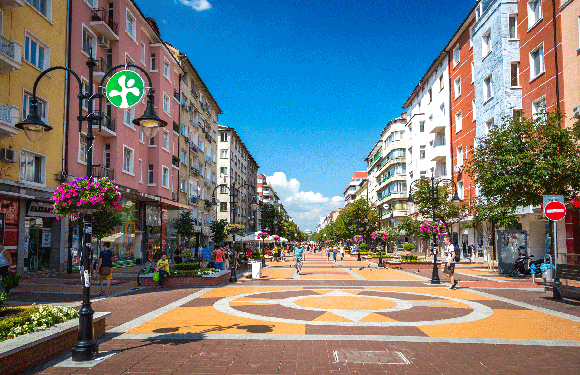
(555, 211)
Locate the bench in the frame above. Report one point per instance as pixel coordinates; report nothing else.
(567, 272)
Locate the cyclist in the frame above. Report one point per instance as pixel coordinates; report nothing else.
(298, 257)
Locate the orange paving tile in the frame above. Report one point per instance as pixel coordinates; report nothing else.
(386, 274)
(341, 302)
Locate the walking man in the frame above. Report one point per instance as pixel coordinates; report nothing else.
(449, 269)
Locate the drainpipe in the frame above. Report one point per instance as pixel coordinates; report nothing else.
(67, 96)
(556, 55)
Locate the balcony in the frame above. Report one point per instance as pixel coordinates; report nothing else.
(176, 127)
(395, 195)
(193, 171)
(438, 126)
(8, 118)
(101, 68)
(393, 177)
(107, 128)
(99, 171)
(207, 204)
(175, 161)
(439, 153)
(208, 137)
(9, 4)
(193, 147)
(104, 24)
(208, 159)
(176, 94)
(388, 163)
(193, 199)
(10, 55)
(206, 181)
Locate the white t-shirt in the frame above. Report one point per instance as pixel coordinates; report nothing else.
(448, 253)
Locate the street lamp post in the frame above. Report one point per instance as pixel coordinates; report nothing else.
(86, 348)
(434, 200)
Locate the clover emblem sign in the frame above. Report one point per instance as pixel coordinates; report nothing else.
(125, 89)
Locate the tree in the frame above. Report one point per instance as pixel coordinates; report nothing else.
(523, 159)
(412, 227)
(184, 225)
(272, 218)
(104, 223)
(218, 230)
(445, 209)
(358, 218)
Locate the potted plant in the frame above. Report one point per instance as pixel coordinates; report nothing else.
(86, 194)
(233, 228)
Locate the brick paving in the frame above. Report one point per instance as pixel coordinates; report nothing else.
(278, 325)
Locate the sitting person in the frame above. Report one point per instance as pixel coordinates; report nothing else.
(162, 268)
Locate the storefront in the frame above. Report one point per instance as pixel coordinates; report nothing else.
(9, 208)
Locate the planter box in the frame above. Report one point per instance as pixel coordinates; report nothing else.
(215, 279)
(416, 266)
(34, 349)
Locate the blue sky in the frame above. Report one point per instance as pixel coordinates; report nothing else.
(309, 85)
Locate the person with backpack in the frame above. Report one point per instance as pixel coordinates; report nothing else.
(450, 260)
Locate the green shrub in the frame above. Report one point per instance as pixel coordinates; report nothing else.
(186, 266)
(3, 299)
(363, 247)
(16, 321)
(407, 258)
(409, 247)
(256, 254)
(10, 282)
(198, 272)
(187, 253)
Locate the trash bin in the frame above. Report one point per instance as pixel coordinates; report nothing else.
(547, 274)
(256, 269)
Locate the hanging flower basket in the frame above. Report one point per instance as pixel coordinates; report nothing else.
(434, 227)
(379, 235)
(357, 238)
(86, 195)
(262, 235)
(276, 238)
(233, 228)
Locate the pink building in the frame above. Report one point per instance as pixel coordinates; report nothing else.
(116, 32)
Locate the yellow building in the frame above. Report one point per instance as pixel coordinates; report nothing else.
(34, 38)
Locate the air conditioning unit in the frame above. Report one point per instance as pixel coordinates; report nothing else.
(103, 41)
(457, 168)
(7, 155)
(577, 111)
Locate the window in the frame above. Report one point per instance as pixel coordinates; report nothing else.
(458, 121)
(456, 56)
(140, 171)
(442, 109)
(127, 160)
(223, 206)
(129, 61)
(538, 107)
(515, 73)
(423, 174)
(36, 52)
(224, 137)
(131, 27)
(165, 140)
(223, 171)
(460, 190)
(486, 43)
(128, 116)
(422, 152)
(488, 125)
(42, 106)
(537, 61)
(83, 148)
(32, 167)
(42, 6)
(459, 155)
(534, 12)
(166, 68)
(223, 189)
(89, 43)
(184, 157)
(487, 89)
(471, 37)
(472, 75)
(166, 103)
(516, 113)
(85, 85)
(152, 63)
(513, 26)
(165, 176)
(441, 82)
(457, 87)
(223, 154)
(430, 95)
(150, 174)
(473, 113)
(143, 52)
(422, 126)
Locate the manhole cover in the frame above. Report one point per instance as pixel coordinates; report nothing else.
(382, 356)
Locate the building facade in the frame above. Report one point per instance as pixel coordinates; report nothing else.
(33, 39)
(350, 190)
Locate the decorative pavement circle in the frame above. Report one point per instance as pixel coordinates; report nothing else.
(356, 307)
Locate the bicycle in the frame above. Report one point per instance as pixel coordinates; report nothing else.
(149, 268)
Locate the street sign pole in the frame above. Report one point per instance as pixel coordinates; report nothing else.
(554, 212)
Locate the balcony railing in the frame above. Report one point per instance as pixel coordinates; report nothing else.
(175, 161)
(208, 159)
(176, 94)
(208, 137)
(109, 123)
(193, 199)
(100, 171)
(193, 171)
(8, 113)
(102, 66)
(102, 14)
(7, 48)
(193, 147)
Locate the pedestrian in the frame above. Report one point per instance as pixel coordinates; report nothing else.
(105, 267)
(341, 252)
(471, 252)
(207, 255)
(334, 251)
(449, 269)
(327, 254)
(177, 254)
(219, 258)
(162, 268)
(5, 261)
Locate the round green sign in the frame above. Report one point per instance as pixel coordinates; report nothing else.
(125, 89)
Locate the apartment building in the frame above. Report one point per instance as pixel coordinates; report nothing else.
(196, 128)
(33, 38)
(350, 190)
(237, 181)
(266, 192)
(373, 164)
(146, 169)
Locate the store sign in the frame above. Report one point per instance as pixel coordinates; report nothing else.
(197, 228)
(40, 209)
(125, 89)
(46, 237)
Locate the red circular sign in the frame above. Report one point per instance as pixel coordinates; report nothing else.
(555, 211)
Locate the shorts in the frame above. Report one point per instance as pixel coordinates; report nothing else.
(298, 261)
(219, 265)
(449, 270)
(107, 277)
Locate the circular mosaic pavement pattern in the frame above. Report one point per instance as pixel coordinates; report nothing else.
(353, 307)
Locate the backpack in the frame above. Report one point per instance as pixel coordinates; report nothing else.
(457, 256)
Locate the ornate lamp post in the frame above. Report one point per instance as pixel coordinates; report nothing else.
(433, 192)
(86, 348)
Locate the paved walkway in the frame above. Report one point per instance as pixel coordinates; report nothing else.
(338, 318)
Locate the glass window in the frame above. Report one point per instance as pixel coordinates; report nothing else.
(537, 61)
(83, 148)
(534, 12)
(473, 113)
(166, 103)
(32, 167)
(131, 27)
(166, 69)
(422, 152)
(456, 56)
(140, 171)
(538, 106)
(128, 116)
(165, 177)
(223, 206)
(441, 82)
(224, 171)
(143, 52)
(43, 6)
(127, 159)
(150, 174)
(152, 64)
(42, 106)
(36, 52)
(458, 121)
(515, 72)
(165, 139)
(486, 43)
(422, 126)
(89, 42)
(459, 155)
(223, 154)
(513, 26)
(460, 189)
(487, 89)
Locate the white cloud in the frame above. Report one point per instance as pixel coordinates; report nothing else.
(199, 5)
(305, 207)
